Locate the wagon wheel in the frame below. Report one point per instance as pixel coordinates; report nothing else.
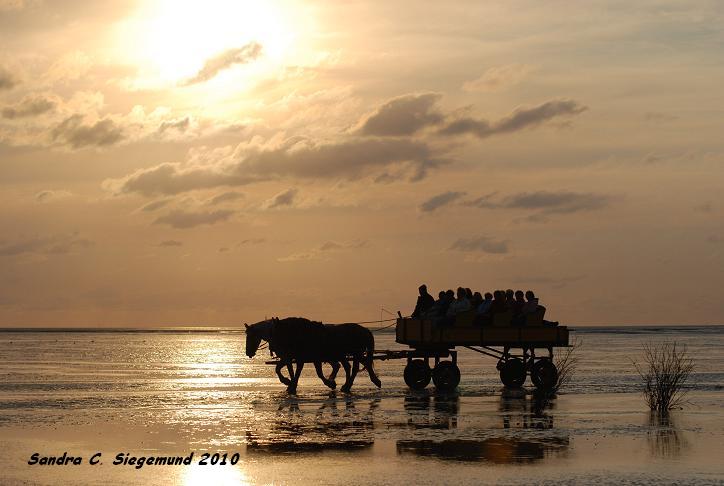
(446, 376)
(417, 374)
(512, 373)
(544, 374)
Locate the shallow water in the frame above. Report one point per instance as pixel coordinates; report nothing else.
(152, 394)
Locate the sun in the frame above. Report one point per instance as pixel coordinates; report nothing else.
(170, 40)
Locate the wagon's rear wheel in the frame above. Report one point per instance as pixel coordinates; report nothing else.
(544, 374)
(446, 376)
(512, 373)
(417, 374)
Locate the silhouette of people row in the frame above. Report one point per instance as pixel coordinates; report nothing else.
(520, 305)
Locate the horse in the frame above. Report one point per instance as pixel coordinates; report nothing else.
(291, 339)
(356, 341)
(302, 340)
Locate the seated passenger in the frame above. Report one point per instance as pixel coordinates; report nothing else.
(469, 294)
(461, 304)
(509, 298)
(476, 300)
(485, 305)
(532, 303)
(424, 302)
(518, 303)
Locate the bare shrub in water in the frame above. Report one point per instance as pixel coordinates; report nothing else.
(666, 369)
(566, 364)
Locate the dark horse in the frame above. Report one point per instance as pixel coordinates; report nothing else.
(300, 340)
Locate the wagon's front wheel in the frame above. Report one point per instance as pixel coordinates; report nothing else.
(417, 374)
(512, 373)
(446, 376)
(544, 374)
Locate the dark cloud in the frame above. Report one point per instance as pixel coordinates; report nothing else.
(706, 207)
(30, 106)
(404, 115)
(7, 79)
(225, 60)
(180, 125)
(436, 202)
(520, 119)
(484, 244)
(73, 132)
(154, 205)
(252, 241)
(322, 251)
(180, 219)
(170, 243)
(295, 158)
(285, 198)
(225, 197)
(49, 245)
(548, 202)
(48, 195)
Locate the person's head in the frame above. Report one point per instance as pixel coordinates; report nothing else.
(477, 296)
(461, 293)
(441, 295)
(488, 296)
(422, 289)
(450, 294)
(499, 295)
(519, 295)
(529, 295)
(509, 294)
(468, 293)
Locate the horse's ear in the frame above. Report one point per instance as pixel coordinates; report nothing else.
(246, 325)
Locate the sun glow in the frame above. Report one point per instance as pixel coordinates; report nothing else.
(170, 40)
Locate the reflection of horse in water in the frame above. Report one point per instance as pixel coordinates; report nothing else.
(298, 340)
(301, 426)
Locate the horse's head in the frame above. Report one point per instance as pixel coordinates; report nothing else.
(255, 334)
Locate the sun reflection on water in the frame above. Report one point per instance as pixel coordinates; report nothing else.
(198, 475)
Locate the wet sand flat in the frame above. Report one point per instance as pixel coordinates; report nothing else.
(179, 394)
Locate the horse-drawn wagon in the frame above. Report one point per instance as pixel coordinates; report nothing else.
(431, 355)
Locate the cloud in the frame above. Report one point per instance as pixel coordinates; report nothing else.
(170, 243)
(225, 60)
(154, 205)
(252, 241)
(29, 106)
(48, 195)
(706, 207)
(497, 78)
(181, 219)
(225, 197)
(548, 202)
(7, 79)
(520, 119)
(321, 252)
(48, 245)
(404, 115)
(483, 244)
(284, 198)
(436, 202)
(73, 132)
(292, 158)
(181, 125)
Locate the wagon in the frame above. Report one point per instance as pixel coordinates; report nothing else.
(431, 341)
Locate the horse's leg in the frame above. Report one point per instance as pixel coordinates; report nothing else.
(292, 388)
(371, 371)
(347, 384)
(351, 377)
(330, 383)
(335, 370)
(282, 378)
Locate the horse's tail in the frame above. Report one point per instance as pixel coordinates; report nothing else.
(369, 358)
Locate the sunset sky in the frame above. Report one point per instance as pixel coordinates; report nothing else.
(215, 162)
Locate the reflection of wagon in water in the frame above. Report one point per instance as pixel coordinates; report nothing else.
(432, 342)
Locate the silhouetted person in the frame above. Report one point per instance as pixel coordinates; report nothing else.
(461, 304)
(531, 305)
(485, 306)
(425, 302)
(476, 300)
(509, 298)
(468, 294)
(517, 306)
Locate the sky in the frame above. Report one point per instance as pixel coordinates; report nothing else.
(218, 162)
